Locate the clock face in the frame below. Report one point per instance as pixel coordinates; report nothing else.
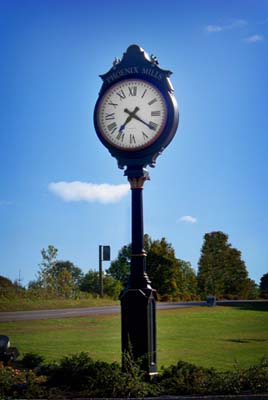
(132, 114)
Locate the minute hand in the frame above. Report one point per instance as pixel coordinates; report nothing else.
(141, 120)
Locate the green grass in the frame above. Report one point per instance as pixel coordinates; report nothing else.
(25, 303)
(217, 336)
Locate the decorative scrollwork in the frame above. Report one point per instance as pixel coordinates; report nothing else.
(116, 61)
(154, 59)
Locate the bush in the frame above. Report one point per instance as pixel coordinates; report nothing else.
(32, 360)
(188, 379)
(15, 383)
(80, 376)
(255, 378)
(185, 379)
(79, 373)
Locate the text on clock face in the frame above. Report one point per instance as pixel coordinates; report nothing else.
(132, 114)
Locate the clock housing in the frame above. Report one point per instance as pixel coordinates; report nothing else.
(136, 114)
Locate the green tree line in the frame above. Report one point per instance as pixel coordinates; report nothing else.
(221, 272)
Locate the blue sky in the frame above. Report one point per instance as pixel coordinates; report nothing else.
(213, 175)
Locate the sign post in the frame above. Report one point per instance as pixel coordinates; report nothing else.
(104, 255)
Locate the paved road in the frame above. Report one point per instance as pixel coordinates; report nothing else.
(78, 312)
(89, 311)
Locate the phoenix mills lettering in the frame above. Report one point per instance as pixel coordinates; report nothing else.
(114, 76)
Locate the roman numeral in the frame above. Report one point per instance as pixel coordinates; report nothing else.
(121, 94)
(153, 125)
(132, 139)
(109, 116)
(145, 136)
(113, 104)
(120, 136)
(132, 90)
(112, 127)
(144, 93)
(152, 101)
(155, 113)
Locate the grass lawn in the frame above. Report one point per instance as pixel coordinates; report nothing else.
(217, 336)
(18, 303)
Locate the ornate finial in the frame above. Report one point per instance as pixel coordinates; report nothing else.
(116, 61)
(154, 59)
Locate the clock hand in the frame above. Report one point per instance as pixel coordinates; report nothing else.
(145, 123)
(129, 118)
(122, 127)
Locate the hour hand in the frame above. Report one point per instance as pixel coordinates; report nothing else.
(122, 127)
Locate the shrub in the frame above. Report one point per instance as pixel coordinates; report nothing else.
(19, 384)
(80, 376)
(185, 378)
(188, 379)
(255, 378)
(32, 360)
(96, 378)
(72, 371)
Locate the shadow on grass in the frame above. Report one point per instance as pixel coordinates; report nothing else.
(246, 340)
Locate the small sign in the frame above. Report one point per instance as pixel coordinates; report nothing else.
(106, 255)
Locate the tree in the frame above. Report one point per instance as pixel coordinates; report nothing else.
(6, 283)
(76, 272)
(120, 268)
(90, 283)
(163, 268)
(59, 278)
(64, 284)
(221, 270)
(10, 289)
(251, 290)
(49, 258)
(188, 285)
(171, 277)
(264, 286)
(112, 287)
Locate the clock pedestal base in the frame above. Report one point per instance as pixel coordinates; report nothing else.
(139, 327)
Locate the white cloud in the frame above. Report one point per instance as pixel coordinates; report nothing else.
(189, 219)
(214, 28)
(234, 24)
(90, 192)
(254, 39)
(237, 23)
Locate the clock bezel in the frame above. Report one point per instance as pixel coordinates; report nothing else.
(100, 130)
(148, 154)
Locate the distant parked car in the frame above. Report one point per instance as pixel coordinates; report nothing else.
(7, 354)
(211, 301)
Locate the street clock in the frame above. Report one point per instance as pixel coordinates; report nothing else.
(136, 114)
(136, 117)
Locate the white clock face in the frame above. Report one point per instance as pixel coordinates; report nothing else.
(132, 114)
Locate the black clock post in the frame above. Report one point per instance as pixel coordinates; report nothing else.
(138, 317)
(136, 117)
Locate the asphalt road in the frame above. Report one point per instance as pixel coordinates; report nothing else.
(8, 316)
